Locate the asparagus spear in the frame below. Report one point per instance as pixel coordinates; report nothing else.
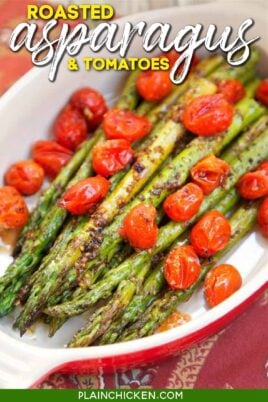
(241, 222)
(101, 320)
(249, 159)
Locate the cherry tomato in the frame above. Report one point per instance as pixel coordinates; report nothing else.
(253, 185)
(232, 90)
(173, 56)
(139, 226)
(26, 176)
(211, 234)
(70, 128)
(124, 124)
(220, 283)
(51, 156)
(182, 267)
(82, 197)
(262, 92)
(208, 115)
(154, 85)
(184, 203)
(263, 217)
(263, 166)
(174, 320)
(92, 104)
(210, 173)
(111, 156)
(13, 210)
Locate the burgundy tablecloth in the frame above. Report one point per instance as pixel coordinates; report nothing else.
(235, 358)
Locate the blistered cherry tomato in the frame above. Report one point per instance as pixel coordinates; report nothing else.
(51, 156)
(173, 56)
(13, 210)
(211, 234)
(184, 203)
(92, 104)
(124, 124)
(220, 283)
(70, 128)
(262, 92)
(232, 90)
(26, 176)
(111, 156)
(182, 267)
(154, 85)
(263, 217)
(208, 115)
(210, 173)
(174, 320)
(82, 197)
(139, 226)
(263, 166)
(253, 185)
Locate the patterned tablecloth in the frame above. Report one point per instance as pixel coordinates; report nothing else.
(235, 358)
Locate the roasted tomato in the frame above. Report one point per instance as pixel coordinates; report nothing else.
(232, 90)
(51, 156)
(263, 217)
(208, 115)
(210, 173)
(220, 283)
(111, 156)
(26, 176)
(211, 234)
(139, 226)
(82, 197)
(174, 320)
(184, 203)
(262, 92)
(182, 267)
(173, 56)
(70, 128)
(13, 210)
(92, 104)
(154, 85)
(126, 125)
(253, 185)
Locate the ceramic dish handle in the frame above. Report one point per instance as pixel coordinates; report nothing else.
(22, 366)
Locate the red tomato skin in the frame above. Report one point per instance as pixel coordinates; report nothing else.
(51, 156)
(253, 185)
(139, 227)
(126, 125)
(208, 115)
(173, 56)
(232, 90)
(13, 209)
(70, 128)
(182, 267)
(92, 104)
(209, 173)
(263, 217)
(84, 195)
(184, 203)
(262, 92)
(210, 234)
(26, 176)
(111, 156)
(154, 85)
(220, 283)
